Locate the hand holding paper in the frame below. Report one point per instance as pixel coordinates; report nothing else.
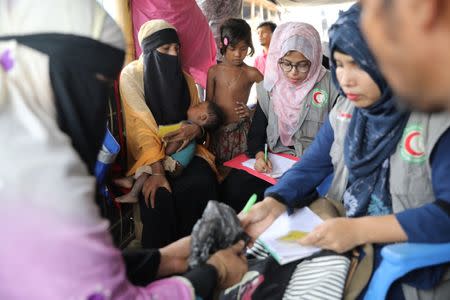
(261, 216)
(281, 238)
(337, 234)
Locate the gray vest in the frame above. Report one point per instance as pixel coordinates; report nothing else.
(315, 110)
(340, 117)
(410, 179)
(410, 171)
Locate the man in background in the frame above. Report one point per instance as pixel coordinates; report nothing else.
(265, 31)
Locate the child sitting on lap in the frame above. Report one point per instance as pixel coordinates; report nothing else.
(207, 115)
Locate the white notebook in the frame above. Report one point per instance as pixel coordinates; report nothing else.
(280, 238)
(280, 164)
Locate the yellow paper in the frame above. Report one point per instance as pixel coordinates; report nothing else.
(165, 129)
(292, 236)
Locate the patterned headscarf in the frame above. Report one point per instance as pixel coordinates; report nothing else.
(373, 132)
(287, 98)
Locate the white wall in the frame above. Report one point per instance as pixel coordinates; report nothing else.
(109, 6)
(315, 15)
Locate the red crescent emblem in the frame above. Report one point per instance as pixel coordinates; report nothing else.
(316, 97)
(408, 142)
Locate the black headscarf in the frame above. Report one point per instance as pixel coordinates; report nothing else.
(166, 90)
(81, 98)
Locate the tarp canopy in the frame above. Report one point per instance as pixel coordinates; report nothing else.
(292, 3)
(198, 50)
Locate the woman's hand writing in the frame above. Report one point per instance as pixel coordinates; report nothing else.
(261, 165)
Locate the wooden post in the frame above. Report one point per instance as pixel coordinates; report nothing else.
(125, 22)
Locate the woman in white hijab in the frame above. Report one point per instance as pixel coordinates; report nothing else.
(56, 58)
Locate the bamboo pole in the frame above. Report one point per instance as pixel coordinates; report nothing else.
(126, 23)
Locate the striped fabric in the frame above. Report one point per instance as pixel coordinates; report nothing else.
(319, 278)
(258, 251)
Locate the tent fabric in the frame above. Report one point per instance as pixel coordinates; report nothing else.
(198, 50)
(217, 11)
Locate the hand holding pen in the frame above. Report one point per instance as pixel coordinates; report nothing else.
(263, 163)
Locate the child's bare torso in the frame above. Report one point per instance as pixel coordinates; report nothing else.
(232, 84)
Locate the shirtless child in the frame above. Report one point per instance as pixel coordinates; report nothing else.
(208, 115)
(229, 85)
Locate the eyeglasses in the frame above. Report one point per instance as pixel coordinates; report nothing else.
(302, 67)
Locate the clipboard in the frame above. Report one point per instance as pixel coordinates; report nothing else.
(237, 163)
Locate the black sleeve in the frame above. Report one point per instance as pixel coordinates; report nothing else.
(141, 265)
(204, 280)
(257, 135)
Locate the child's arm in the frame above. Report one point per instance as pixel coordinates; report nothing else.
(255, 75)
(172, 147)
(211, 84)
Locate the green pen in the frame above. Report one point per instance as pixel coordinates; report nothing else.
(265, 153)
(250, 203)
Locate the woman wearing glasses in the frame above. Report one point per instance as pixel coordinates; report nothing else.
(293, 101)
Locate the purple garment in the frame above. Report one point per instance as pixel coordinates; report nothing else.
(44, 257)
